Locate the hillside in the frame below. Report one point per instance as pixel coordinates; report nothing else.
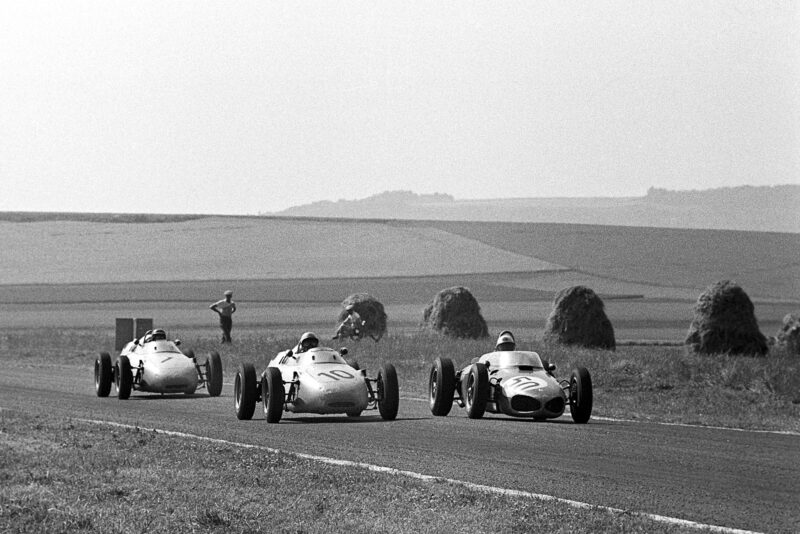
(763, 209)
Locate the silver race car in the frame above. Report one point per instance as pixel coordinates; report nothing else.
(319, 381)
(156, 365)
(515, 383)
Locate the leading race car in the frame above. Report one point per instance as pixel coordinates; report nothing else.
(155, 364)
(512, 382)
(316, 381)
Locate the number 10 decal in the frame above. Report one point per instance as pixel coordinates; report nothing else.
(337, 374)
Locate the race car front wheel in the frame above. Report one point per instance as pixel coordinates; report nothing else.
(102, 374)
(214, 374)
(441, 386)
(580, 395)
(244, 391)
(388, 392)
(272, 394)
(123, 377)
(476, 390)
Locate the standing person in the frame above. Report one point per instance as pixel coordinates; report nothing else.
(225, 308)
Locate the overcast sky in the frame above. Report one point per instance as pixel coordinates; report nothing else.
(249, 107)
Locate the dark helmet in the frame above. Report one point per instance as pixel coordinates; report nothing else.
(308, 340)
(159, 333)
(505, 341)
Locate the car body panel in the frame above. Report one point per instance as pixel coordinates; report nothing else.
(161, 367)
(321, 381)
(520, 386)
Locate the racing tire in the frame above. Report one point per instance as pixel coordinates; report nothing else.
(103, 374)
(272, 394)
(580, 395)
(123, 377)
(214, 374)
(441, 386)
(244, 391)
(189, 353)
(476, 390)
(388, 392)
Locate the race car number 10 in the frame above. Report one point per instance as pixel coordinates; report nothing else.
(337, 374)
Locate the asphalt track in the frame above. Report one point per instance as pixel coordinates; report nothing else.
(728, 478)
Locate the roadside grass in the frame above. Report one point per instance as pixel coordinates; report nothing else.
(651, 383)
(60, 475)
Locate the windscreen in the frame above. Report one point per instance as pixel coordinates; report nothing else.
(164, 346)
(501, 359)
(320, 355)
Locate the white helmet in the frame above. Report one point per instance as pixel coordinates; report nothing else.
(505, 341)
(308, 340)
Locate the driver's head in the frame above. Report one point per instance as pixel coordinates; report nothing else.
(505, 341)
(308, 341)
(159, 333)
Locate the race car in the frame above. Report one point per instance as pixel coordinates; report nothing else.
(513, 382)
(156, 365)
(317, 381)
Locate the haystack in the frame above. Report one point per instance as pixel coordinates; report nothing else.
(788, 336)
(454, 312)
(371, 312)
(725, 323)
(579, 318)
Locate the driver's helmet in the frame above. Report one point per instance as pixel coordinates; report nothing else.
(308, 341)
(159, 333)
(505, 341)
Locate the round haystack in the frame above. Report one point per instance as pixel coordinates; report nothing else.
(371, 312)
(725, 323)
(788, 336)
(454, 312)
(579, 318)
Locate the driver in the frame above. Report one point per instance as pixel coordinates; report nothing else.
(159, 333)
(308, 341)
(505, 341)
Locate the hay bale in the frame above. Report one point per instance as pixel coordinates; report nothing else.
(788, 336)
(371, 312)
(579, 318)
(725, 323)
(454, 312)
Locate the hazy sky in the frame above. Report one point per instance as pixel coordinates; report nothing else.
(248, 107)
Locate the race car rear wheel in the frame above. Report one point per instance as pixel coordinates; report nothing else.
(272, 394)
(442, 386)
(123, 377)
(476, 390)
(388, 392)
(580, 395)
(102, 374)
(214, 374)
(244, 391)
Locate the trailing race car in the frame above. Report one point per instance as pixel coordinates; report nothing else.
(156, 365)
(512, 382)
(319, 381)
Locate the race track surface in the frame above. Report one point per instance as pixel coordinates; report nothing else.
(735, 479)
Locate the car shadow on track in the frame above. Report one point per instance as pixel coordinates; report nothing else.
(172, 396)
(529, 421)
(345, 419)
